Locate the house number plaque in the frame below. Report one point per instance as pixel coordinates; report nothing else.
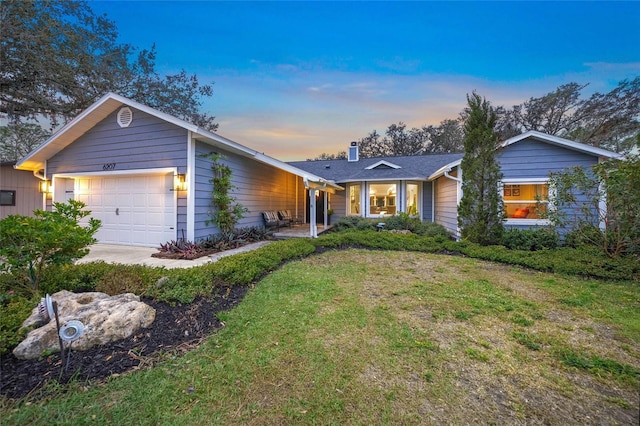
(109, 166)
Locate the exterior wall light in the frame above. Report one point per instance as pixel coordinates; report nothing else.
(180, 183)
(44, 186)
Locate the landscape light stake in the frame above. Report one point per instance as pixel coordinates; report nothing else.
(55, 313)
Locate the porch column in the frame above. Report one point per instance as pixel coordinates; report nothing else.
(326, 206)
(313, 227)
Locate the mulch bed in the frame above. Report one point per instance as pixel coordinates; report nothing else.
(176, 329)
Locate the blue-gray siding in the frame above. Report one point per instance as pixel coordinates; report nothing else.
(534, 159)
(148, 142)
(427, 202)
(258, 187)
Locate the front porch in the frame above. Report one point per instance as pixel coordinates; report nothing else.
(298, 231)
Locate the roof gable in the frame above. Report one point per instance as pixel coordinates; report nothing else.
(566, 143)
(383, 164)
(110, 102)
(541, 137)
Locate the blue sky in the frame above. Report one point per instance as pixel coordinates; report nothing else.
(295, 79)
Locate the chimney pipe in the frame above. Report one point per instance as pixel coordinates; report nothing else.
(353, 154)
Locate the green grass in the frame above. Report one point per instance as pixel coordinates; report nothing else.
(363, 337)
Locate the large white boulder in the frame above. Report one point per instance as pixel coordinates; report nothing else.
(105, 319)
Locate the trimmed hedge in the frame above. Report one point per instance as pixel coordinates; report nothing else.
(184, 285)
(581, 262)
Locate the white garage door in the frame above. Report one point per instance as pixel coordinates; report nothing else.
(134, 210)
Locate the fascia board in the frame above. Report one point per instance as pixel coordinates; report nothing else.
(444, 169)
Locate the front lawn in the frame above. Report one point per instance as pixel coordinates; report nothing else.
(388, 337)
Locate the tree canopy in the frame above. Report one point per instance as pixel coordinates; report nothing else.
(609, 120)
(606, 120)
(57, 58)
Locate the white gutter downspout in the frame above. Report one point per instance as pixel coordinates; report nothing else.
(458, 193)
(191, 197)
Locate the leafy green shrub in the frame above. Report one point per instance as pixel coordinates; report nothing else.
(30, 244)
(530, 239)
(13, 311)
(379, 240)
(580, 193)
(401, 221)
(431, 229)
(354, 223)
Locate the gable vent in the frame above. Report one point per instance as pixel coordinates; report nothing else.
(125, 117)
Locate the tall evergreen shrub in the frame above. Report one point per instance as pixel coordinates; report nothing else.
(481, 212)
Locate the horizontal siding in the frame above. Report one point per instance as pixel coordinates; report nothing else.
(535, 159)
(148, 142)
(28, 196)
(446, 207)
(258, 187)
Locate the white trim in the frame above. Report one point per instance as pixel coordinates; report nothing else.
(418, 178)
(444, 169)
(190, 182)
(382, 163)
(525, 180)
(602, 206)
(163, 170)
(527, 222)
(433, 201)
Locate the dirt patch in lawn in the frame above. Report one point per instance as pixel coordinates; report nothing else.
(176, 329)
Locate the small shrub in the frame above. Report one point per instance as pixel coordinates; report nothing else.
(354, 223)
(530, 239)
(181, 249)
(13, 311)
(31, 244)
(235, 238)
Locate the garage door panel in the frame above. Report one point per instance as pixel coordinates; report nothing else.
(145, 206)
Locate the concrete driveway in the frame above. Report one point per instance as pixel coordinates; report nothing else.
(131, 255)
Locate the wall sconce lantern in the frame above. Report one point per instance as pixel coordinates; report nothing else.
(44, 186)
(180, 182)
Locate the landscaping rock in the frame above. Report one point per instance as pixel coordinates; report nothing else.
(105, 319)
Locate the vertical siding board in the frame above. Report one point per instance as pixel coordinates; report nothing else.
(28, 196)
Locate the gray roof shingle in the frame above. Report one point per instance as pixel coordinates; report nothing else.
(411, 167)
